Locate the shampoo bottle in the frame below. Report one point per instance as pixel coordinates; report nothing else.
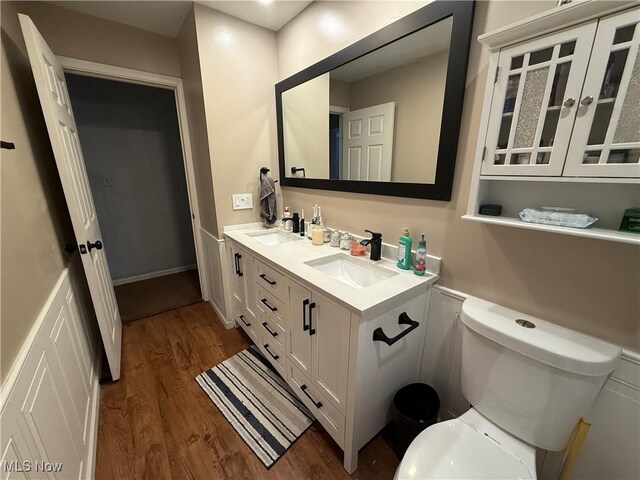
(404, 250)
(421, 257)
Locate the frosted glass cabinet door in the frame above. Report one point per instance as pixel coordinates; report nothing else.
(534, 103)
(606, 136)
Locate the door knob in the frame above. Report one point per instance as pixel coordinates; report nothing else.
(569, 102)
(97, 245)
(586, 101)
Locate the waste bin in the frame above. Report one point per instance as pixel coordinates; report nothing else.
(415, 407)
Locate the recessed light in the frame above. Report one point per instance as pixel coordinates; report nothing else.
(265, 1)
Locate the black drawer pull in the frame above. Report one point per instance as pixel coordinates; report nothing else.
(266, 347)
(403, 319)
(237, 258)
(305, 325)
(273, 334)
(266, 279)
(304, 390)
(240, 265)
(273, 309)
(244, 321)
(312, 331)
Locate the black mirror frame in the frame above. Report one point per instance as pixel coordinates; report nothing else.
(462, 12)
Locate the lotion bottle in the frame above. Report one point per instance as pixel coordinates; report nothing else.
(404, 250)
(421, 257)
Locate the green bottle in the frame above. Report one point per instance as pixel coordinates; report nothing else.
(421, 257)
(404, 250)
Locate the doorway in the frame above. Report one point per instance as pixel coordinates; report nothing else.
(130, 137)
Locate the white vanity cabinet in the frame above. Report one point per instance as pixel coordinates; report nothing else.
(344, 358)
(561, 118)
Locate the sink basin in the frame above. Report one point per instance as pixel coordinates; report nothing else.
(274, 237)
(356, 273)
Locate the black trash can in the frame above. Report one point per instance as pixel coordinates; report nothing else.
(415, 407)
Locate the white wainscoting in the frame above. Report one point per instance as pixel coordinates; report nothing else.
(612, 446)
(215, 258)
(50, 399)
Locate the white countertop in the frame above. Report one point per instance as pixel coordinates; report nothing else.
(290, 258)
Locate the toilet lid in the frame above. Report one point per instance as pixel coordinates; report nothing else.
(455, 450)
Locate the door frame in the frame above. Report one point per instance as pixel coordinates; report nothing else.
(128, 75)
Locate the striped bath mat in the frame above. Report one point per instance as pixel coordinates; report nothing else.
(258, 403)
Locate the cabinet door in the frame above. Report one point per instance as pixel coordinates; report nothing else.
(238, 283)
(606, 136)
(247, 268)
(298, 338)
(329, 330)
(534, 103)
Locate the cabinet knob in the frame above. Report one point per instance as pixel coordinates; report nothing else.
(586, 101)
(569, 102)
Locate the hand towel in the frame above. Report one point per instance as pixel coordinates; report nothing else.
(267, 198)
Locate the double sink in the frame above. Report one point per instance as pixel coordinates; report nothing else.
(352, 271)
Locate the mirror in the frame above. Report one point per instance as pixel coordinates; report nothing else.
(381, 116)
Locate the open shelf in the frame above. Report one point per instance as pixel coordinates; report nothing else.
(599, 233)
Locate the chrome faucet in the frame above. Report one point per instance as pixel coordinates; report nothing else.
(376, 244)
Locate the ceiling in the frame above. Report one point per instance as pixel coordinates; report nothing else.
(418, 45)
(166, 17)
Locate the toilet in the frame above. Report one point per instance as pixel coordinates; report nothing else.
(528, 382)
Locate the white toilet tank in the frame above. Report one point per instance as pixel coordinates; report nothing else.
(532, 378)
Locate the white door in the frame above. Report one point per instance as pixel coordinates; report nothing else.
(61, 126)
(606, 137)
(535, 99)
(368, 143)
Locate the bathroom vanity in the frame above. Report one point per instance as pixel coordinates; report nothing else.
(345, 332)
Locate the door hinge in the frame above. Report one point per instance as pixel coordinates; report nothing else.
(193, 215)
(495, 80)
(484, 153)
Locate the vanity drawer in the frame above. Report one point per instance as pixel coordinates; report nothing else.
(330, 418)
(247, 323)
(271, 331)
(270, 305)
(270, 279)
(272, 352)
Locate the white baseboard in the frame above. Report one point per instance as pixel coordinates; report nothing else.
(147, 276)
(50, 400)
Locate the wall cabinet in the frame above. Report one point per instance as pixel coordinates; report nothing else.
(567, 103)
(561, 118)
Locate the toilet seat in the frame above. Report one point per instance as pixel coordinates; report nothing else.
(469, 447)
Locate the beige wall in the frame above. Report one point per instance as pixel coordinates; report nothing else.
(34, 219)
(305, 110)
(35, 223)
(418, 90)
(339, 94)
(73, 34)
(239, 71)
(192, 83)
(584, 284)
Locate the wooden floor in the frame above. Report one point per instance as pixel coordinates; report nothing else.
(144, 298)
(156, 423)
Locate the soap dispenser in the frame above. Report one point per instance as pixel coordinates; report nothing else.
(404, 250)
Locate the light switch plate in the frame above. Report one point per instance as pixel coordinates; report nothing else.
(242, 201)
